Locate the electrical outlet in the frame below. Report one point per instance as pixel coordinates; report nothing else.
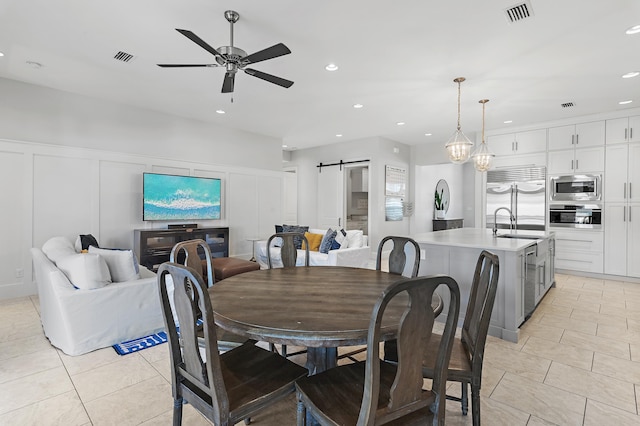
(423, 254)
(19, 273)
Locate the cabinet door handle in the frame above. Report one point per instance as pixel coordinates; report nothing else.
(571, 164)
(629, 190)
(577, 139)
(516, 145)
(573, 139)
(513, 146)
(577, 167)
(630, 133)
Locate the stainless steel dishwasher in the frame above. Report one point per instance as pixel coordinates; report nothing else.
(536, 275)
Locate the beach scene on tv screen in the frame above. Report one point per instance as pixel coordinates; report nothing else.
(169, 197)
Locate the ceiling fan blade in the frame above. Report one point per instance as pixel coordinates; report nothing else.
(268, 53)
(229, 81)
(270, 78)
(185, 65)
(200, 42)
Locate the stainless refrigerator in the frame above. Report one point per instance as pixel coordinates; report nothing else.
(523, 191)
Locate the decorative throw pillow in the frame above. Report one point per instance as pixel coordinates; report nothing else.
(314, 241)
(295, 228)
(122, 264)
(355, 238)
(335, 245)
(328, 240)
(57, 248)
(84, 241)
(86, 271)
(341, 238)
(278, 229)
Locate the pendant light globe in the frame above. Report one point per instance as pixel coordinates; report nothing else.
(459, 146)
(483, 158)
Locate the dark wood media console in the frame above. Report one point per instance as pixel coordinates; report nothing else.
(153, 246)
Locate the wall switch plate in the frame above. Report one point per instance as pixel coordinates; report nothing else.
(423, 254)
(19, 273)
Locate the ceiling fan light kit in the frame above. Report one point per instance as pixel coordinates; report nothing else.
(459, 146)
(234, 58)
(483, 158)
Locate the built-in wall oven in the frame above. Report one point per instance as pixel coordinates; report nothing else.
(588, 216)
(575, 188)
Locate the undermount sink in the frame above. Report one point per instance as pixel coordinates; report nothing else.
(520, 236)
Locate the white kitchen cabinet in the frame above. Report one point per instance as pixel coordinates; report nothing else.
(518, 143)
(622, 173)
(577, 136)
(621, 130)
(582, 160)
(579, 249)
(537, 159)
(622, 239)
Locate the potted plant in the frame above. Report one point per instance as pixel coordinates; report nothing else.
(440, 204)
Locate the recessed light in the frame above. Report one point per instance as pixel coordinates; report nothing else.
(331, 67)
(625, 102)
(1, 54)
(508, 122)
(357, 106)
(219, 111)
(633, 30)
(428, 134)
(339, 135)
(631, 74)
(285, 146)
(400, 123)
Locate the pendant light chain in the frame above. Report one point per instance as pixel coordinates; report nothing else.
(459, 102)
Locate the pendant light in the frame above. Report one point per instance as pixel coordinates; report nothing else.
(483, 158)
(459, 146)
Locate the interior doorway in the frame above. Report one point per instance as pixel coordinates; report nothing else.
(343, 197)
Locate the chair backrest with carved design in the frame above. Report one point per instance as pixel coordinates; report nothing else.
(288, 248)
(398, 256)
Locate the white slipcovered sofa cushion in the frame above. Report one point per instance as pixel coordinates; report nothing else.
(122, 264)
(87, 271)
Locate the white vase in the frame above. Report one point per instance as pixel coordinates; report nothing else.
(440, 214)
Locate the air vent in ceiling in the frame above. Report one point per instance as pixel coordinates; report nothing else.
(519, 12)
(567, 105)
(123, 56)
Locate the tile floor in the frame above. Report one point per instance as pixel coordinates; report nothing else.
(577, 363)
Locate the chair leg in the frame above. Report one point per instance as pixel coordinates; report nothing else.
(301, 414)
(475, 405)
(464, 399)
(272, 347)
(284, 351)
(177, 412)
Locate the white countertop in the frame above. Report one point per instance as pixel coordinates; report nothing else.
(480, 238)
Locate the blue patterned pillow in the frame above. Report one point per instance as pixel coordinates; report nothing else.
(295, 228)
(335, 245)
(327, 241)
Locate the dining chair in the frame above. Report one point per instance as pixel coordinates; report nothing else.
(397, 264)
(288, 248)
(468, 349)
(289, 256)
(398, 255)
(226, 388)
(196, 254)
(374, 392)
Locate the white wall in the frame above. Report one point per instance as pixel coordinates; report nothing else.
(71, 165)
(380, 152)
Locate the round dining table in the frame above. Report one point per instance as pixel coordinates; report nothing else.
(318, 307)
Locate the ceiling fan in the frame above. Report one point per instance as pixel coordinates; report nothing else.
(234, 59)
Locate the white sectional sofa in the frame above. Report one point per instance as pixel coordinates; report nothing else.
(78, 320)
(357, 257)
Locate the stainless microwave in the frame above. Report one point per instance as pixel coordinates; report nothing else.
(576, 188)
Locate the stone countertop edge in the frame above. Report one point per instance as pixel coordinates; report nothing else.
(480, 238)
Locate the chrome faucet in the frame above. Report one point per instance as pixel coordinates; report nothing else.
(512, 220)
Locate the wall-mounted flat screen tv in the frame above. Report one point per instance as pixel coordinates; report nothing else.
(171, 197)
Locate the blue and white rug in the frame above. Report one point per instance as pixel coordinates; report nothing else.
(141, 343)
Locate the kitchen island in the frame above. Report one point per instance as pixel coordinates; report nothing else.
(526, 269)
